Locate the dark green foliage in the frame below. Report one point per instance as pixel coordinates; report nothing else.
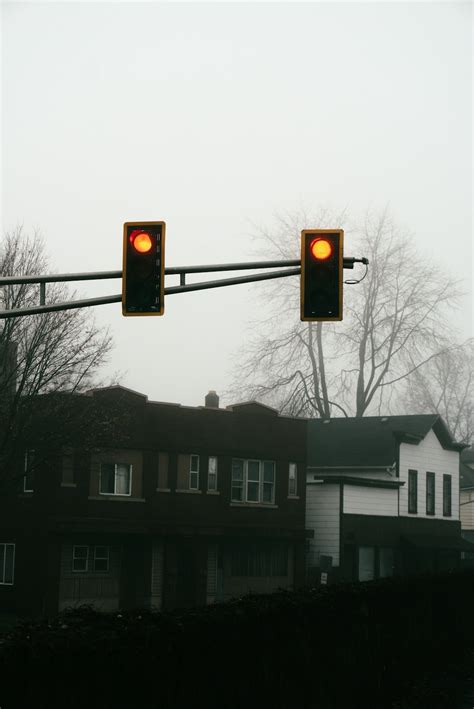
(397, 643)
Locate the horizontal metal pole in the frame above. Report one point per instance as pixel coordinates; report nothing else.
(106, 300)
(232, 281)
(172, 270)
(54, 307)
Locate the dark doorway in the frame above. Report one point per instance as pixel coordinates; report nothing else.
(186, 576)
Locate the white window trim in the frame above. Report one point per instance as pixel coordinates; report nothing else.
(102, 558)
(80, 571)
(260, 502)
(3, 582)
(194, 472)
(209, 473)
(295, 478)
(25, 489)
(116, 494)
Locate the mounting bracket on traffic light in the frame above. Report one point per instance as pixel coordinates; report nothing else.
(322, 267)
(143, 279)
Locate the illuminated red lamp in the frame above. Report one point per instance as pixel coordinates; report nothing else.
(320, 249)
(141, 241)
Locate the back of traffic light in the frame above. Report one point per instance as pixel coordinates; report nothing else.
(143, 281)
(322, 267)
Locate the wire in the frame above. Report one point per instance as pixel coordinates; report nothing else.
(353, 281)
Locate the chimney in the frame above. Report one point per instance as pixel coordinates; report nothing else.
(211, 400)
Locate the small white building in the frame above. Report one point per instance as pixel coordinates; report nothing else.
(382, 497)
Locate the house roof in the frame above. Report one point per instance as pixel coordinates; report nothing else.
(370, 441)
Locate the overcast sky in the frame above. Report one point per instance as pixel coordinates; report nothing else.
(215, 117)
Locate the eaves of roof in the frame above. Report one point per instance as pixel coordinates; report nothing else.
(360, 482)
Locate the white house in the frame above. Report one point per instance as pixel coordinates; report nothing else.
(382, 496)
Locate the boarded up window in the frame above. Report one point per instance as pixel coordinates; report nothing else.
(163, 470)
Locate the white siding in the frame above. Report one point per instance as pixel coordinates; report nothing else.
(156, 599)
(467, 509)
(322, 515)
(429, 456)
(211, 585)
(360, 500)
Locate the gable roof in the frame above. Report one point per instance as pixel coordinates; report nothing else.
(370, 441)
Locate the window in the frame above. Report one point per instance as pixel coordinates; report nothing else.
(80, 558)
(413, 491)
(366, 563)
(68, 467)
(447, 495)
(7, 564)
(375, 562)
(194, 472)
(386, 562)
(101, 558)
(237, 490)
(259, 559)
(430, 493)
(29, 469)
(268, 481)
(292, 479)
(253, 481)
(212, 473)
(115, 479)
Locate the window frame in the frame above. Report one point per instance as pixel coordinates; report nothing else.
(193, 472)
(212, 474)
(237, 484)
(413, 508)
(244, 487)
(447, 509)
(430, 495)
(115, 493)
(2, 571)
(26, 468)
(292, 479)
(101, 558)
(74, 558)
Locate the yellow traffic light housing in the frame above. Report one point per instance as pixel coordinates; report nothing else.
(143, 273)
(321, 282)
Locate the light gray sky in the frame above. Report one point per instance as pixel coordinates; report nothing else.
(214, 117)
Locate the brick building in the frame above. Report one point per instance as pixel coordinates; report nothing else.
(154, 504)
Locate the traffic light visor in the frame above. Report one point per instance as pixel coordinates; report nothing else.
(141, 241)
(320, 249)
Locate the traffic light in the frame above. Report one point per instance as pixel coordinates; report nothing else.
(321, 274)
(143, 273)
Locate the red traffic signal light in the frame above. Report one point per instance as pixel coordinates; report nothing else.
(320, 249)
(141, 241)
(321, 274)
(143, 274)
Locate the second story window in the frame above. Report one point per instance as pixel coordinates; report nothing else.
(28, 481)
(253, 481)
(430, 493)
(292, 480)
(212, 473)
(115, 479)
(413, 491)
(194, 472)
(447, 496)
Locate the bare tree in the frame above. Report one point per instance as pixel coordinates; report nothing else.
(48, 354)
(446, 386)
(394, 325)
